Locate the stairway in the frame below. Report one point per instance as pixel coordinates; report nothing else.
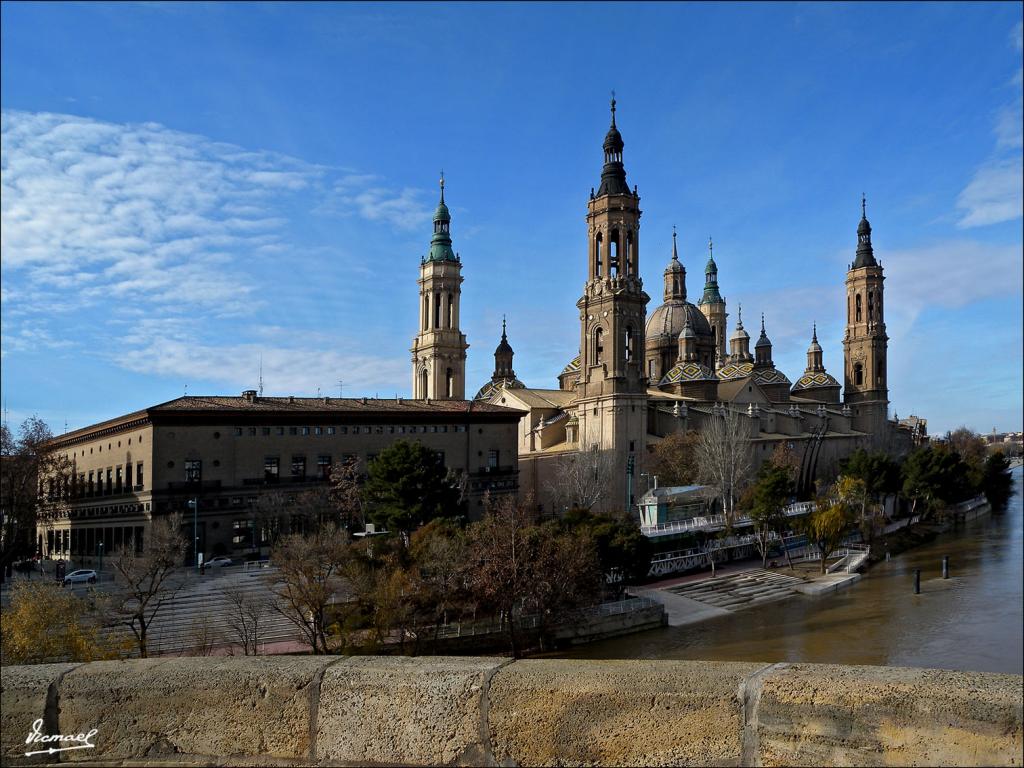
(740, 590)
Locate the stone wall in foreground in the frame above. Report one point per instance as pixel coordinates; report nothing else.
(492, 711)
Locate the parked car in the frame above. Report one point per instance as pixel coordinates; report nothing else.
(79, 577)
(219, 561)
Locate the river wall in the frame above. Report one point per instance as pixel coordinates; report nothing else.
(493, 711)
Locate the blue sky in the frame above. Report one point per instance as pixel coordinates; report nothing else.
(187, 188)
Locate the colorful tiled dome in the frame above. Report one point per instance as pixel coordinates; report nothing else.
(690, 371)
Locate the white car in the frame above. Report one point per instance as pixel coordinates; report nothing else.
(80, 577)
(219, 561)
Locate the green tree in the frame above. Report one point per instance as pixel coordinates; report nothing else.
(408, 486)
(934, 476)
(622, 550)
(768, 500)
(997, 482)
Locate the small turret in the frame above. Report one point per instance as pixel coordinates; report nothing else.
(441, 242)
(865, 253)
(675, 275)
(739, 342)
(763, 348)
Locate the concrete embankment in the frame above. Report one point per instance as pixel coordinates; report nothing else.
(490, 711)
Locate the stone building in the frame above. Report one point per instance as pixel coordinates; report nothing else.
(641, 376)
(228, 452)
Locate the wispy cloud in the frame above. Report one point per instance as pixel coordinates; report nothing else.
(996, 191)
(139, 225)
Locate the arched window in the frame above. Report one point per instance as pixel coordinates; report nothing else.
(630, 254)
(858, 374)
(629, 343)
(437, 310)
(650, 370)
(450, 383)
(426, 311)
(857, 302)
(871, 305)
(423, 384)
(598, 266)
(451, 305)
(598, 346)
(613, 254)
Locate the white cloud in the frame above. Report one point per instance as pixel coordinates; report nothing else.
(994, 193)
(363, 195)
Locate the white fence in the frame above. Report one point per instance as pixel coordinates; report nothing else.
(716, 522)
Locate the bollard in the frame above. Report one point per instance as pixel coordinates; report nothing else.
(917, 581)
(945, 566)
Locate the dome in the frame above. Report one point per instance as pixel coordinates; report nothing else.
(770, 376)
(491, 388)
(503, 348)
(864, 228)
(815, 380)
(442, 214)
(739, 333)
(735, 371)
(573, 366)
(669, 319)
(613, 140)
(690, 371)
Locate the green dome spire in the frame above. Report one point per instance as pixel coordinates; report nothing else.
(711, 294)
(441, 242)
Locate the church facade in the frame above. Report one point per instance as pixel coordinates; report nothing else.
(642, 375)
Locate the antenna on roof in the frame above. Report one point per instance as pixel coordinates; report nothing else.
(341, 388)
(186, 390)
(261, 375)
(318, 392)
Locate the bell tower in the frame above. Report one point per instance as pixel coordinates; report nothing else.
(865, 344)
(713, 305)
(439, 349)
(612, 387)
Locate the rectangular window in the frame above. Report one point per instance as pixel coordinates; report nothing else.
(266, 431)
(280, 430)
(330, 430)
(138, 475)
(241, 532)
(492, 459)
(433, 429)
(343, 430)
(110, 480)
(444, 429)
(90, 483)
(305, 430)
(323, 467)
(252, 431)
(238, 431)
(193, 470)
(298, 466)
(293, 430)
(271, 468)
(318, 431)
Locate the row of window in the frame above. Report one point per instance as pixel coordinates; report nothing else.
(96, 482)
(344, 430)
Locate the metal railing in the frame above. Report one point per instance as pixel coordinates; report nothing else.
(712, 522)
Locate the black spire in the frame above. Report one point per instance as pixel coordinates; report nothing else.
(613, 175)
(503, 357)
(865, 254)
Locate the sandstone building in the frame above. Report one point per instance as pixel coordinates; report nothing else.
(640, 376)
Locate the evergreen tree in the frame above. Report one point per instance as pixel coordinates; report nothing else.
(408, 486)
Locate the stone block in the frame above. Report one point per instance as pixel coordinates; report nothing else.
(409, 711)
(817, 714)
(23, 700)
(243, 710)
(556, 712)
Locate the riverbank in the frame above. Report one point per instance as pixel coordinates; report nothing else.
(970, 621)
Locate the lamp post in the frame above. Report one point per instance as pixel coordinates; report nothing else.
(194, 503)
(101, 554)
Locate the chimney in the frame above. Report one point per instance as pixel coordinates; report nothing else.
(291, 398)
(249, 395)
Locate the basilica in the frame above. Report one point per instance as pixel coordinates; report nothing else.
(642, 375)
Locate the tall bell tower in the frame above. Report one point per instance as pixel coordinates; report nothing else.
(865, 344)
(439, 349)
(612, 388)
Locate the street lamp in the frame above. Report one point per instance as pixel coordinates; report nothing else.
(194, 503)
(101, 555)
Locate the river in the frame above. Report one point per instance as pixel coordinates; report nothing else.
(972, 621)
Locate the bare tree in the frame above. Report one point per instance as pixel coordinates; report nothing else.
(35, 486)
(723, 457)
(145, 576)
(245, 615)
(582, 479)
(346, 493)
(309, 570)
(204, 637)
